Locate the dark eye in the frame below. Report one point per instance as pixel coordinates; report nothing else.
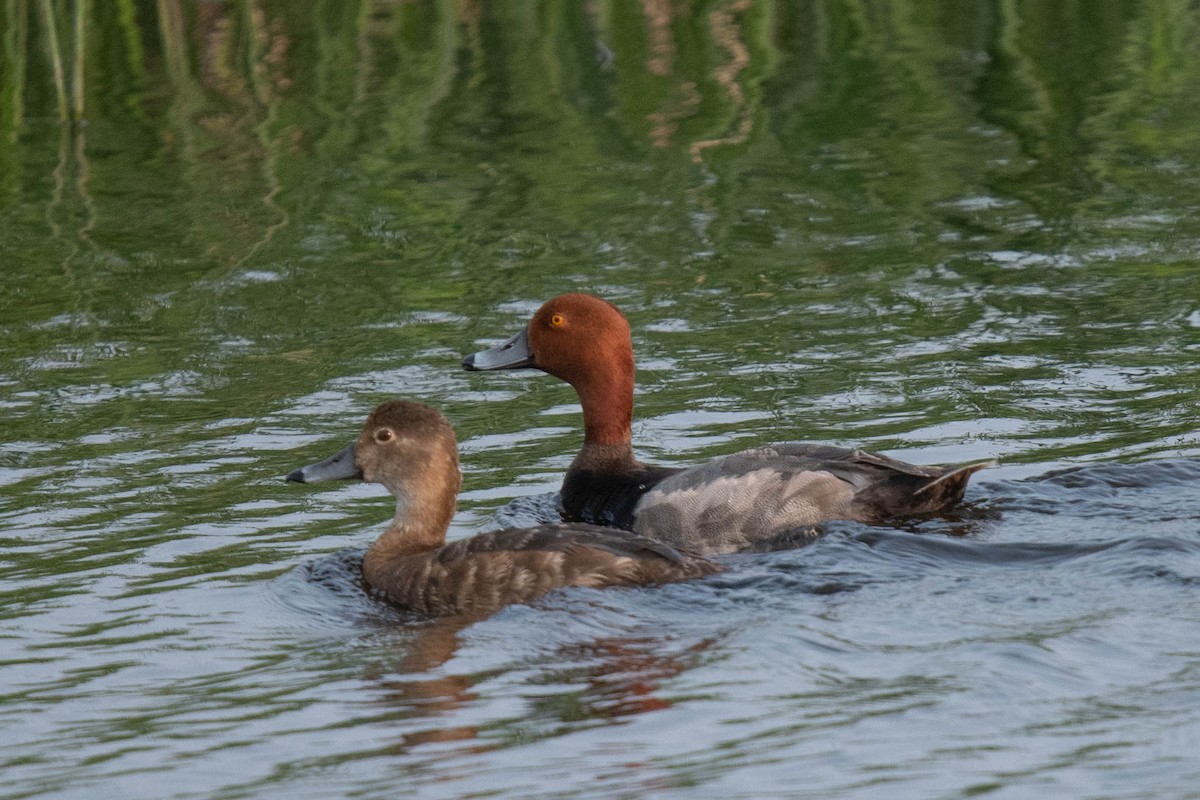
(383, 435)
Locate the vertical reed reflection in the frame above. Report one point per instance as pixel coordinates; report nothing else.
(454, 117)
(50, 26)
(728, 34)
(80, 14)
(13, 59)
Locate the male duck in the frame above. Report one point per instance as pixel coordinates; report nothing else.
(739, 501)
(410, 448)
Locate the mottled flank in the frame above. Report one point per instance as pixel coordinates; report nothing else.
(725, 513)
(736, 502)
(410, 449)
(485, 572)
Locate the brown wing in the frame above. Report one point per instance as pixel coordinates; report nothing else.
(483, 573)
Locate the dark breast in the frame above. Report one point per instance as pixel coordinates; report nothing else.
(606, 498)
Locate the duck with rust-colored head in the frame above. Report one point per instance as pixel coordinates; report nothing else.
(410, 448)
(737, 502)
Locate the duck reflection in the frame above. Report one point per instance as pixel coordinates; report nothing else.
(618, 677)
(590, 683)
(426, 692)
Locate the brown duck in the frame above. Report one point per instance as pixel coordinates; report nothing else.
(410, 448)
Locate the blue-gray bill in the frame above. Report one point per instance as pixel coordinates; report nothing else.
(339, 466)
(513, 354)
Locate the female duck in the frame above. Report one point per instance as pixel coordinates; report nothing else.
(410, 449)
(731, 503)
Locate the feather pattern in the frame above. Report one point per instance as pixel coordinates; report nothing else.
(410, 449)
(740, 501)
(735, 502)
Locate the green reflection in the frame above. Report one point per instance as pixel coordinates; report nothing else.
(239, 159)
(227, 229)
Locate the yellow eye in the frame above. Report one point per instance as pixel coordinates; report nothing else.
(558, 320)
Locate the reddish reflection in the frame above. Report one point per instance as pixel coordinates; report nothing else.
(603, 680)
(623, 676)
(439, 695)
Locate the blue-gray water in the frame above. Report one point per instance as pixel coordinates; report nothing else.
(948, 232)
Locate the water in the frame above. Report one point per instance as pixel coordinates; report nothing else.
(952, 232)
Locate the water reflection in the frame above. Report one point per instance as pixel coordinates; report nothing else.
(427, 691)
(950, 231)
(238, 110)
(615, 677)
(579, 685)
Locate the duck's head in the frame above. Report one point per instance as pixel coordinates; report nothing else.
(408, 447)
(576, 337)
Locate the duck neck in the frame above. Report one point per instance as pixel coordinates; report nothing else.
(419, 526)
(607, 425)
(607, 402)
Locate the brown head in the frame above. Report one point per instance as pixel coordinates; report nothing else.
(404, 442)
(409, 448)
(584, 341)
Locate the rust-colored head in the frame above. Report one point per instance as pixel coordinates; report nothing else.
(584, 341)
(580, 339)
(577, 337)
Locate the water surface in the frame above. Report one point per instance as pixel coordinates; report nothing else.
(950, 233)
